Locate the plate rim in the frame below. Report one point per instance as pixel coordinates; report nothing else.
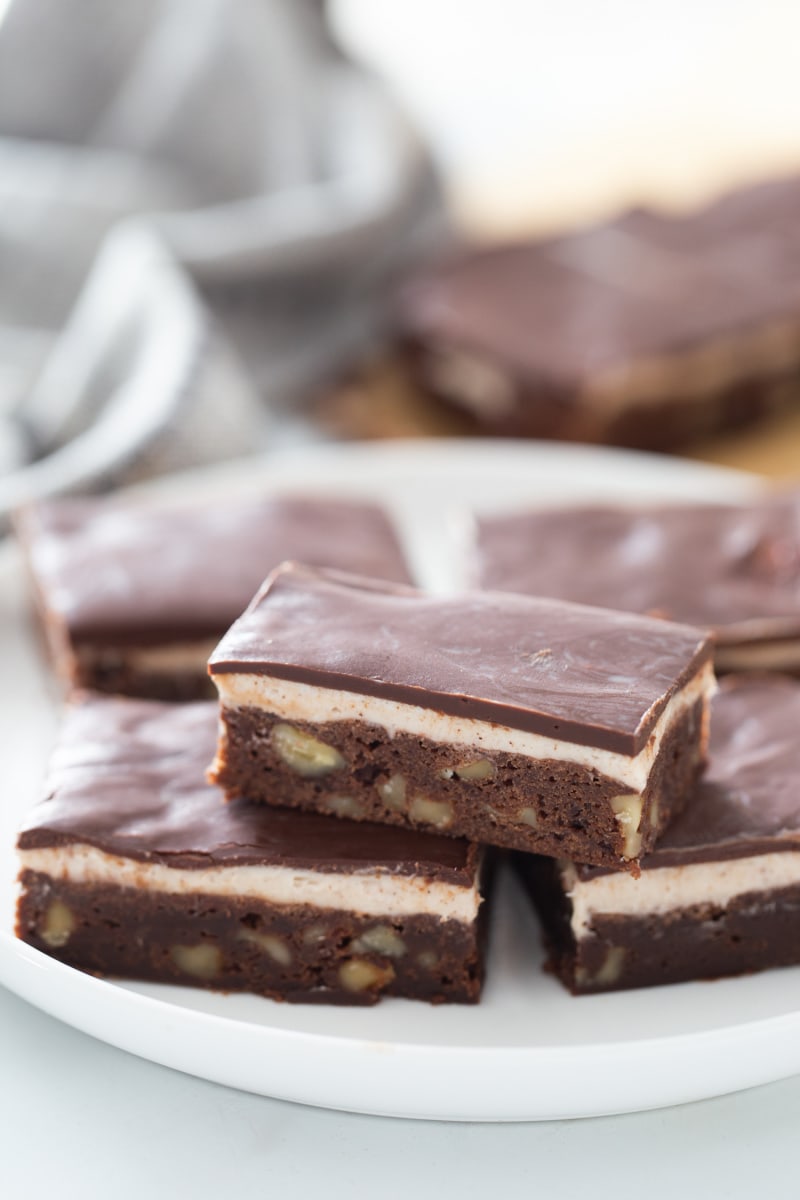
(614, 1069)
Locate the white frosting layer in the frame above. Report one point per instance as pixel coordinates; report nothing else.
(303, 702)
(669, 889)
(369, 894)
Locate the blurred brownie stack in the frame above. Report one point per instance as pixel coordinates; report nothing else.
(649, 330)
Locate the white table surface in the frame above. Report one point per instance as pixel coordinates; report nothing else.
(542, 114)
(82, 1119)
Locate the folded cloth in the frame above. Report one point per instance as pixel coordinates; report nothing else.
(202, 204)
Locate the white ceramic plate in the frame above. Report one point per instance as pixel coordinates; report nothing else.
(528, 1051)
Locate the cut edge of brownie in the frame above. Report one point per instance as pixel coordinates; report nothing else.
(751, 932)
(384, 778)
(300, 953)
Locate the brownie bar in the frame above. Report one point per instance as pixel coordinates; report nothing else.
(133, 597)
(733, 568)
(720, 894)
(647, 330)
(516, 722)
(133, 866)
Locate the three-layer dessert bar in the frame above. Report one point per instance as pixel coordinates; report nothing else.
(508, 720)
(134, 596)
(720, 894)
(732, 568)
(647, 330)
(133, 866)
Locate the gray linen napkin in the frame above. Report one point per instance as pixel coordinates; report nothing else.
(202, 203)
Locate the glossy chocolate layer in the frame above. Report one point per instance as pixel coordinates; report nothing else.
(562, 311)
(578, 674)
(124, 573)
(749, 799)
(733, 568)
(128, 777)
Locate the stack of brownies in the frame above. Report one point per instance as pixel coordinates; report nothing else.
(374, 749)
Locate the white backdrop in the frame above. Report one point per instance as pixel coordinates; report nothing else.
(545, 111)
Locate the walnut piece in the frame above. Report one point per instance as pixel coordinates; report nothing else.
(609, 971)
(380, 939)
(274, 946)
(480, 768)
(314, 934)
(655, 815)
(58, 924)
(303, 753)
(358, 975)
(393, 792)
(344, 806)
(628, 811)
(203, 961)
(438, 813)
(528, 816)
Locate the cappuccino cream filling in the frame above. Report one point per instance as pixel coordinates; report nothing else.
(371, 893)
(670, 889)
(292, 701)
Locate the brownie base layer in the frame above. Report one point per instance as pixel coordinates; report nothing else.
(296, 953)
(547, 807)
(753, 932)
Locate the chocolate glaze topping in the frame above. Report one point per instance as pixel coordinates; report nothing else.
(735, 568)
(647, 284)
(577, 674)
(121, 572)
(128, 777)
(749, 800)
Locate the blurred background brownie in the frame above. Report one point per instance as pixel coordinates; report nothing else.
(647, 330)
(734, 569)
(134, 597)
